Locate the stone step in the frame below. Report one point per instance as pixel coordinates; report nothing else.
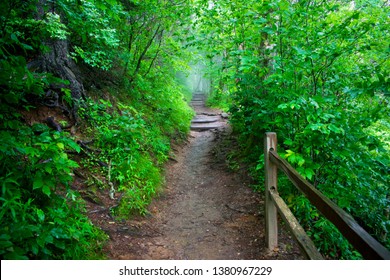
(204, 120)
(207, 126)
(197, 103)
(203, 114)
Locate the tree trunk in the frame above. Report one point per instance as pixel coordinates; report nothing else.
(57, 60)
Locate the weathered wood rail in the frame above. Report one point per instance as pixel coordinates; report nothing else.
(352, 231)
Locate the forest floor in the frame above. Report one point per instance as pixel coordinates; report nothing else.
(204, 211)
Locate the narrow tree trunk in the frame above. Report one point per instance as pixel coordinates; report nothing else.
(141, 57)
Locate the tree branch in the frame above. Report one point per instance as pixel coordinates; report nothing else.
(157, 53)
(141, 57)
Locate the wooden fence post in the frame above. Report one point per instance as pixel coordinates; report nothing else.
(271, 183)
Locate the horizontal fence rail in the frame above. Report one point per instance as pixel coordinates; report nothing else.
(369, 247)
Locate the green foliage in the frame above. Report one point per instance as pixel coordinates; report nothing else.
(132, 126)
(54, 27)
(92, 30)
(41, 217)
(315, 72)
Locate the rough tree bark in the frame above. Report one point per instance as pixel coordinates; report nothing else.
(57, 60)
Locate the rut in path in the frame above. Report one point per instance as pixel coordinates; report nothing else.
(204, 211)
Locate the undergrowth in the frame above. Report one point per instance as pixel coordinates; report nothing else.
(41, 216)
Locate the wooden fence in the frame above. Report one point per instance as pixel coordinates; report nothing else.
(356, 235)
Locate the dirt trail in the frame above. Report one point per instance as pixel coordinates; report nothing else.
(204, 211)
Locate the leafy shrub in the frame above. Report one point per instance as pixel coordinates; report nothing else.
(41, 217)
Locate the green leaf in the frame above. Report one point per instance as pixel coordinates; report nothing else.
(288, 142)
(27, 47)
(46, 189)
(301, 160)
(74, 146)
(288, 153)
(335, 129)
(38, 183)
(4, 244)
(15, 256)
(268, 30)
(300, 51)
(35, 249)
(283, 106)
(14, 37)
(41, 215)
(309, 173)
(48, 169)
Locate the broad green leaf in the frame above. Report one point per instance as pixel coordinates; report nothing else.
(309, 173)
(41, 215)
(46, 189)
(38, 183)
